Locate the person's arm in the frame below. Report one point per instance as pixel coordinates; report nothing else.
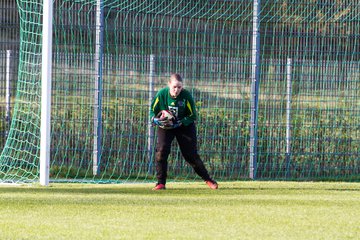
(191, 115)
(155, 110)
(155, 106)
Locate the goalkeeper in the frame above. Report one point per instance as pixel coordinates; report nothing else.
(180, 103)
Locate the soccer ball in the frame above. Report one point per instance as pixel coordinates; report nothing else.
(167, 115)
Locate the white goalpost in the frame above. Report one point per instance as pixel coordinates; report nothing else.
(46, 71)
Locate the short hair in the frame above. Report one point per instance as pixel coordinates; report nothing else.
(176, 76)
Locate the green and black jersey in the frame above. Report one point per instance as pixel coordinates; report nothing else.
(182, 106)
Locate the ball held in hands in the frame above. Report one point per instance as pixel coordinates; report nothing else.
(166, 120)
(166, 115)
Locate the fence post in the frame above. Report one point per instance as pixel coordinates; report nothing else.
(151, 96)
(255, 78)
(9, 71)
(288, 114)
(98, 87)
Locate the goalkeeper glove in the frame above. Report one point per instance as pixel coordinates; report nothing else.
(159, 121)
(176, 124)
(171, 124)
(155, 121)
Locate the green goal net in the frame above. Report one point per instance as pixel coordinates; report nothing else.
(110, 57)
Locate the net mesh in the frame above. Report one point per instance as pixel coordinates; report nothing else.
(308, 109)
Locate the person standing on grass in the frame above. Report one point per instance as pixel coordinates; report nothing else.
(179, 102)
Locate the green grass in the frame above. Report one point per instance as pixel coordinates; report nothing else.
(238, 210)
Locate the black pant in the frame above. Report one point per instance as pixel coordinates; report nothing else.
(186, 137)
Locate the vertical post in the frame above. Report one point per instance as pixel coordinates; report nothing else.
(151, 96)
(8, 89)
(255, 77)
(288, 114)
(46, 69)
(98, 87)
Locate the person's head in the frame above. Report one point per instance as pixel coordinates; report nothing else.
(175, 84)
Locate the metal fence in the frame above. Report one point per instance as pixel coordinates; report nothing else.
(289, 101)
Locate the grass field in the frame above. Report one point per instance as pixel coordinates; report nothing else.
(238, 210)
